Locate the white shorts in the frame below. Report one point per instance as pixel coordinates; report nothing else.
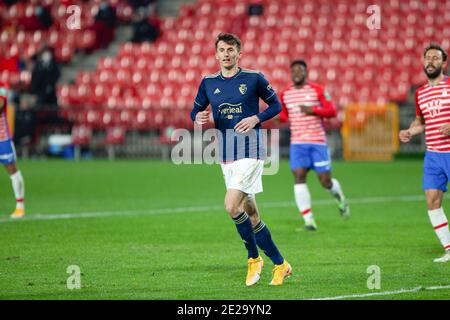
(244, 175)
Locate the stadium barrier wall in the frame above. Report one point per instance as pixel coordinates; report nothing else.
(370, 131)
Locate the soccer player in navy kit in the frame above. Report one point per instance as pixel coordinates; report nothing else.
(233, 94)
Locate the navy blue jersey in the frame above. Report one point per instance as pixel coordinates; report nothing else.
(233, 99)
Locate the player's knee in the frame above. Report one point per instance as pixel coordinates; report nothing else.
(433, 203)
(326, 183)
(11, 168)
(249, 205)
(300, 178)
(232, 209)
(434, 199)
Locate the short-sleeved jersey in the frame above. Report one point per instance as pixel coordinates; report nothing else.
(4, 129)
(233, 99)
(306, 128)
(433, 104)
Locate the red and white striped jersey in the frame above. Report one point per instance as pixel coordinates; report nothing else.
(433, 104)
(306, 128)
(4, 129)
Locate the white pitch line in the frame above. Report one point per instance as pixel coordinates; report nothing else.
(385, 293)
(278, 204)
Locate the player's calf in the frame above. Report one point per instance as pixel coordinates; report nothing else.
(325, 181)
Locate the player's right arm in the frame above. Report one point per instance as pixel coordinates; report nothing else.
(416, 127)
(199, 114)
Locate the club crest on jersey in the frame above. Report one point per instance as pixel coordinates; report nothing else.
(433, 107)
(243, 88)
(445, 92)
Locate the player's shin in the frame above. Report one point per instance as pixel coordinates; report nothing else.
(245, 230)
(265, 242)
(336, 190)
(440, 224)
(303, 200)
(19, 189)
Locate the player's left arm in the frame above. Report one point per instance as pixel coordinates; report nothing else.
(2, 103)
(3, 97)
(326, 108)
(284, 114)
(445, 129)
(268, 95)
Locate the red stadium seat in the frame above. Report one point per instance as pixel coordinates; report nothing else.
(63, 96)
(115, 135)
(63, 53)
(146, 102)
(109, 118)
(142, 120)
(87, 40)
(84, 77)
(81, 135)
(114, 102)
(98, 96)
(131, 103)
(160, 118)
(124, 12)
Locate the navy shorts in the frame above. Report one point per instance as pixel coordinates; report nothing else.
(310, 156)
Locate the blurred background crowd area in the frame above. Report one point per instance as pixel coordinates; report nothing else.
(119, 79)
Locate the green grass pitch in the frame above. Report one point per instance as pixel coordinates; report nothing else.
(153, 230)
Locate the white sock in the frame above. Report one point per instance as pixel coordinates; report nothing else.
(19, 189)
(440, 225)
(336, 190)
(303, 200)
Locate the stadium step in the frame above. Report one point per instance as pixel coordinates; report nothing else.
(170, 8)
(81, 61)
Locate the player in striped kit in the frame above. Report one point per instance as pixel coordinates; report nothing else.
(433, 117)
(8, 155)
(305, 104)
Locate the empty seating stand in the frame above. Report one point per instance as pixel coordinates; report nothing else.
(152, 86)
